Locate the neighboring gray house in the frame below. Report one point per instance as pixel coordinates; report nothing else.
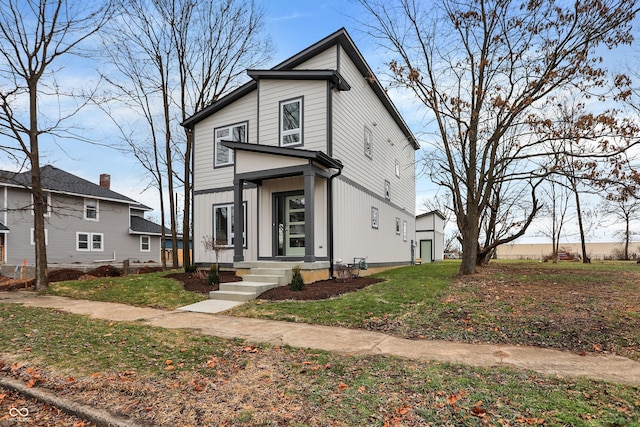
(85, 222)
(430, 236)
(317, 160)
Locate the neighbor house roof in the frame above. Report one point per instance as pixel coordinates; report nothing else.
(287, 70)
(140, 225)
(59, 181)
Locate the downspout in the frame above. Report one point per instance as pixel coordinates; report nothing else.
(330, 219)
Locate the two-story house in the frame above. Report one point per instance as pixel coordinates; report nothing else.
(84, 222)
(308, 163)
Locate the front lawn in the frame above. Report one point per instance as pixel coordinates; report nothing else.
(177, 378)
(144, 290)
(568, 306)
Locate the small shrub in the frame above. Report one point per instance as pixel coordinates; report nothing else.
(190, 268)
(297, 283)
(214, 276)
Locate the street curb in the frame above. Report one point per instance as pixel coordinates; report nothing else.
(99, 417)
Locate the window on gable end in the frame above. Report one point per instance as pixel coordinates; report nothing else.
(368, 143)
(291, 122)
(91, 209)
(223, 156)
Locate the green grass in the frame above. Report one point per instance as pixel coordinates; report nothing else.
(145, 290)
(290, 386)
(405, 291)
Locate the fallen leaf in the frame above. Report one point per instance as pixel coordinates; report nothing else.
(31, 383)
(597, 347)
(95, 375)
(168, 362)
(2, 396)
(169, 368)
(403, 410)
(343, 386)
(69, 379)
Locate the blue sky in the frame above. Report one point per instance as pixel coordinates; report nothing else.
(292, 26)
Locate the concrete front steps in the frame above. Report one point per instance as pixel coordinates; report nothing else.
(259, 280)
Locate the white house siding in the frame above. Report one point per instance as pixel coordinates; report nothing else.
(326, 60)
(67, 219)
(314, 107)
(353, 232)
(206, 176)
(389, 142)
(203, 225)
(265, 200)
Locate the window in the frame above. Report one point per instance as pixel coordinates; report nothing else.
(397, 226)
(91, 209)
(387, 190)
(374, 217)
(404, 230)
(397, 168)
(33, 237)
(368, 143)
(145, 244)
(291, 122)
(222, 155)
(90, 242)
(47, 204)
(223, 226)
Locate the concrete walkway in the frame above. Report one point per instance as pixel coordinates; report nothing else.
(349, 341)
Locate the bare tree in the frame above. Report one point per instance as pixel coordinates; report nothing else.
(488, 67)
(34, 37)
(556, 208)
(189, 53)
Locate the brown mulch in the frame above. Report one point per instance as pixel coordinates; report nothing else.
(322, 289)
(197, 282)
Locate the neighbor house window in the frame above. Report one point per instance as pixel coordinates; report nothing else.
(404, 230)
(47, 204)
(374, 217)
(89, 242)
(222, 155)
(397, 226)
(368, 142)
(291, 122)
(223, 226)
(398, 169)
(387, 190)
(145, 244)
(91, 209)
(33, 237)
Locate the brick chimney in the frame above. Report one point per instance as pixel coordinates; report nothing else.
(105, 180)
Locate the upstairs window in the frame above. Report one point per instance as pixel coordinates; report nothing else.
(387, 190)
(368, 142)
(46, 202)
(222, 155)
(291, 122)
(91, 209)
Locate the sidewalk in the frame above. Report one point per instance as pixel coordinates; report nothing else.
(614, 369)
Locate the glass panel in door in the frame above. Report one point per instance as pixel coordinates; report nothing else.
(294, 225)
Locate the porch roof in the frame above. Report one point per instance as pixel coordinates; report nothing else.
(316, 156)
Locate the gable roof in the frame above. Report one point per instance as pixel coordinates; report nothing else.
(317, 156)
(59, 181)
(340, 37)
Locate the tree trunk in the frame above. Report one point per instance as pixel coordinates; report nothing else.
(627, 237)
(469, 234)
(39, 206)
(583, 243)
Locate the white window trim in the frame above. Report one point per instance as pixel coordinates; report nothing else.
(97, 218)
(148, 244)
(231, 152)
(90, 247)
(297, 130)
(404, 231)
(47, 211)
(32, 236)
(230, 225)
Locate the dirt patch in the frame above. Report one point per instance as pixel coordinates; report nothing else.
(322, 289)
(197, 282)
